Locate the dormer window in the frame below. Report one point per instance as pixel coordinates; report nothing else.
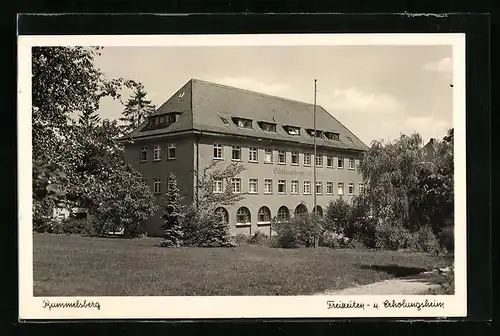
(224, 120)
(172, 117)
(161, 121)
(332, 136)
(243, 123)
(268, 127)
(292, 130)
(319, 134)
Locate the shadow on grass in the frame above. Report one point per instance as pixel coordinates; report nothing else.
(394, 270)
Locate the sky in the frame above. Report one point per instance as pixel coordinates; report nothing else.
(378, 92)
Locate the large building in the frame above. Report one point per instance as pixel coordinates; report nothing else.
(271, 136)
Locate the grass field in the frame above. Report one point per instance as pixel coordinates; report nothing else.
(84, 266)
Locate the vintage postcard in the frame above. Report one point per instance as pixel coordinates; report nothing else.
(242, 176)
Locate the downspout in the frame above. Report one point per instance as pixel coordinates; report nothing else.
(197, 143)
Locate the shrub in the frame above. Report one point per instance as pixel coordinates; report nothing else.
(258, 238)
(447, 239)
(240, 239)
(336, 216)
(393, 236)
(297, 232)
(334, 240)
(73, 225)
(426, 240)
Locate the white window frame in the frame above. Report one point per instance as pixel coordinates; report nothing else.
(308, 185)
(249, 213)
(282, 154)
(296, 155)
(281, 183)
(351, 164)
(320, 185)
(294, 187)
(236, 149)
(156, 153)
(157, 186)
(309, 156)
(349, 186)
(169, 156)
(320, 158)
(339, 186)
(251, 151)
(144, 149)
(218, 182)
(253, 181)
(268, 182)
(339, 160)
(361, 188)
(329, 188)
(329, 157)
(266, 153)
(236, 185)
(258, 216)
(218, 152)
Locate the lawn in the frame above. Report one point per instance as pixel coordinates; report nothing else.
(85, 266)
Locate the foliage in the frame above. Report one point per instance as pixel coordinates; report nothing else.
(173, 214)
(332, 239)
(240, 239)
(137, 109)
(205, 229)
(337, 216)
(258, 238)
(298, 231)
(446, 239)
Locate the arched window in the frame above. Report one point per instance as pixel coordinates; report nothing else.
(283, 213)
(264, 215)
(243, 216)
(224, 215)
(318, 211)
(300, 210)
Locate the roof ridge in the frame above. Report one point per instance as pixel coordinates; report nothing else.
(250, 91)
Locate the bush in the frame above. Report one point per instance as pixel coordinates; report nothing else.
(447, 239)
(205, 229)
(334, 240)
(393, 236)
(337, 216)
(240, 239)
(73, 225)
(426, 241)
(258, 238)
(297, 232)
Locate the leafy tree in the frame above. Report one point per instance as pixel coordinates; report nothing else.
(202, 225)
(137, 110)
(336, 216)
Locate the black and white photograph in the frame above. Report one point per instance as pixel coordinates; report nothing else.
(242, 176)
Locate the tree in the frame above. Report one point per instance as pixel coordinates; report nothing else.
(173, 214)
(137, 110)
(202, 225)
(336, 216)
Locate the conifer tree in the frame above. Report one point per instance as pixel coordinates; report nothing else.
(173, 214)
(137, 109)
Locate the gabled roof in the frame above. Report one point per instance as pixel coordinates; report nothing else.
(202, 104)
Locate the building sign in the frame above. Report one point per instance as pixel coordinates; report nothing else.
(294, 172)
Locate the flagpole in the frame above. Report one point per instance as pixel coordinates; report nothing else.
(314, 163)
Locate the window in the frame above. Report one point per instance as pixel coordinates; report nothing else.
(143, 156)
(268, 156)
(295, 158)
(340, 162)
(172, 117)
(224, 215)
(268, 127)
(329, 188)
(332, 136)
(283, 214)
(281, 157)
(300, 210)
(156, 153)
(218, 151)
(351, 163)
(170, 183)
(218, 186)
(319, 188)
(224, 120)
(252, 155)
(292, 130)
(361, 188)
(318, 211)
(294, 187)
(319, 134)
(171, 151)
(319, 160)
(268, 186)
(236, 183)
(307, 159)
(329, 161)
(281, 186)
(351, 188)
(157, 185)
(340, 188)
(307, 187)
(253, 186)
(264, 215)
(162, 119)
(243, 216)
(243, 123)
(236, 153)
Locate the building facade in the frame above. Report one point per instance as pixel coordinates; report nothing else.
(271, 137)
